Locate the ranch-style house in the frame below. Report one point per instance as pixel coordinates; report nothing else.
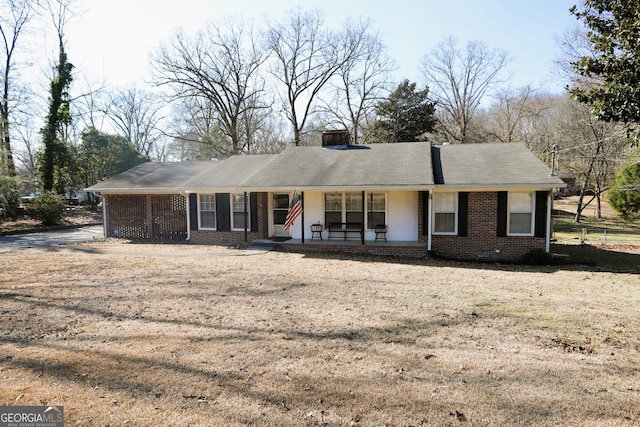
(473, 201)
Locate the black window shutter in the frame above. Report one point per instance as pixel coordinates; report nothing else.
(193, 211)
(223, 211)
(463, 213)
(425, 213)
(253, 205)
(541, 214)
(501, 225)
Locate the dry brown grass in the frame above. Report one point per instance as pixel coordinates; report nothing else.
(149, 335)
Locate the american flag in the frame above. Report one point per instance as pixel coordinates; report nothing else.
(295, 208)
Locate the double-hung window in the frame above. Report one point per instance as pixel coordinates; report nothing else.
(445, 213)
(332, 208)
(238, 212)
(207, 211)
(521, 208)
(376, 210)
(348, 207)
(353, 205)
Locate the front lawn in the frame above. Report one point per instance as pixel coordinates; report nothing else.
(175, 335)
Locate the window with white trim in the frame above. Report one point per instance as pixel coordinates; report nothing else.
(238, 210)
(347, 207)
(207, 211)
(376, 210)
(332, 208)
(521, 208)
(445, 213)
(353, 207)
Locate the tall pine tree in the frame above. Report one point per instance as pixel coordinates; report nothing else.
(405, 116)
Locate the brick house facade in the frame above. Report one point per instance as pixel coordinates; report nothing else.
(476, 201)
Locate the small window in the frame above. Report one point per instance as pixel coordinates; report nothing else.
(521, 214)
(207, 211)
(445, 211)
(238, 212)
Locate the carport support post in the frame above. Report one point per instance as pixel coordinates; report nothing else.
(302, 216)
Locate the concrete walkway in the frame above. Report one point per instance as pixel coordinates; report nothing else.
(47, 238)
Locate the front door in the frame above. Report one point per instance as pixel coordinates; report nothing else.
(280, 209)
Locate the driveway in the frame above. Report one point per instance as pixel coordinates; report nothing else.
(73, 235)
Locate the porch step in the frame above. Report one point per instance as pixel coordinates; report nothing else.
(262, 246)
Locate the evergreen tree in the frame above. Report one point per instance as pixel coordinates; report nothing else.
(103, 156)
(624, 193)
(405, 116)
(614, 35)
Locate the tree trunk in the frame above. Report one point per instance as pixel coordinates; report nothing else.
(580, 208)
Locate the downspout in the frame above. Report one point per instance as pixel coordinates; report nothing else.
(429, 235)
(547, 243)
(302, 217)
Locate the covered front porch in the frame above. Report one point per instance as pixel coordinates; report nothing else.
(351, 246)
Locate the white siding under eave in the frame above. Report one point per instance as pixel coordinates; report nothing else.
(402, 216)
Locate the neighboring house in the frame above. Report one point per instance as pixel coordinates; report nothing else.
(476, 201)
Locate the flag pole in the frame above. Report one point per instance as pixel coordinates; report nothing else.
(302, 217)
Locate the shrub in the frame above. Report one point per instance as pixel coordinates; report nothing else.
(9, 197)
(48, 207)
(624, 194)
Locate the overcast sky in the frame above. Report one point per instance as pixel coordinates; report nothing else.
(111, 40)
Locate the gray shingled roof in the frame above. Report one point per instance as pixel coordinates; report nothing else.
(153, 177)
(402, 165)
(490, 165)
(406, 165)
(228, 174)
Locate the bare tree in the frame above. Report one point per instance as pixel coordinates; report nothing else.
(592, 149)
(361, 81)
(459, 79)
(195, 132)
(220, 65)
(14, 16)
(574, 44)
(509, 115)
(88, 108)
(305, 56)
(136, 114)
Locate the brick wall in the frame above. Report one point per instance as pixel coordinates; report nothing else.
(481, 241)
(145, 216)
(235, 238)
